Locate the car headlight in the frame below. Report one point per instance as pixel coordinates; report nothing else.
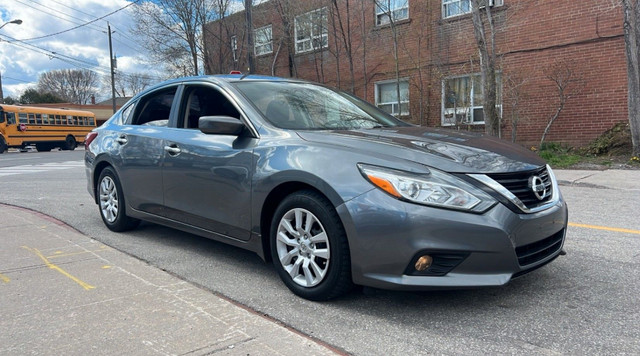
(434, 188)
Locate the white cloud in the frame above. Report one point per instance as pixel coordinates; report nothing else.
(86, 47)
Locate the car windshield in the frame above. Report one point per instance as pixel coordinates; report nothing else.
(306, 106)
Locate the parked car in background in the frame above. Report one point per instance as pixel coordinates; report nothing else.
(333, 190)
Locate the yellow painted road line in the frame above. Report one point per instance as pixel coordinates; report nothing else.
(60, 254)
(615, 229)
(84, 285)
(4, 278)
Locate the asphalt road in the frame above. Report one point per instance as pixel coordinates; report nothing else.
(583, 303)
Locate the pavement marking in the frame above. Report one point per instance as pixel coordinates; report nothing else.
(84, 285)
(62, 254)
(4, 278)
(596, 227)
(39, 168)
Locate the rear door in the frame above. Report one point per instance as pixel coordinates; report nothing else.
(141, 141)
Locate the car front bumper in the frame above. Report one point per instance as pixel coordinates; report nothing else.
(386, 236)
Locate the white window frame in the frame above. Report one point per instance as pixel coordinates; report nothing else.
(234, 47)
(453, 8)
(395, 111)
(263, 47)
(399, 10)
(308, 44)
(449, 116)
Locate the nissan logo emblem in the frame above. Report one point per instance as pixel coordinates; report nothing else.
(537, 187)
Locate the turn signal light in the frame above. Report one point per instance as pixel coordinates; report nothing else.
(423, 263)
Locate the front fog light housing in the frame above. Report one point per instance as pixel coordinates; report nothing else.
(434, 188)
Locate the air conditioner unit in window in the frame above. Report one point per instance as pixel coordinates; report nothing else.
(491, 3)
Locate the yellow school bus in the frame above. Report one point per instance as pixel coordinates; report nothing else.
(46, 128)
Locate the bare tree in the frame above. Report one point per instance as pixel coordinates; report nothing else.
(127, 84)
(631, 13)
(385, 8)
(73, 85)
(513, 95)
(171, 31)
(486, 43)
(567, 84)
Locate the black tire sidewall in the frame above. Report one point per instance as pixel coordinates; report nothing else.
(3, 145)
(334, 283)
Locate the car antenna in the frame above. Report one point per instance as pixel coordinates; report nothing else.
(244, 75)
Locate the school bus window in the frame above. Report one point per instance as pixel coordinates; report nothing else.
(11, 118)
(45, 119)
(2, 117)
(91, 121)
(39, 119)
(23, 118)
(32, 119)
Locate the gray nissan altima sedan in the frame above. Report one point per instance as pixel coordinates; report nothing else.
(330, 188)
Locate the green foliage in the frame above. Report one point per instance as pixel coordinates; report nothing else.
(559, 156)
(10, 101)
(33, 96)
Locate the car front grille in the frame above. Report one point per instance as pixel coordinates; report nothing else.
(519, 184)
(537, 251)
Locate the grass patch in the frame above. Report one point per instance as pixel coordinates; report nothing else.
(559, 156)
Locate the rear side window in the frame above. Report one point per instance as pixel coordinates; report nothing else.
(155, 108)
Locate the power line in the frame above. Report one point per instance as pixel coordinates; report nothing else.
(56, 16)
(85, 24)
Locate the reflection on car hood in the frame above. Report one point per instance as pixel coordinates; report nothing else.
(447, 150)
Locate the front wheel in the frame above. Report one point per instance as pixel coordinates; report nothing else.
(3, 145)
(111, 202)
(309, 247)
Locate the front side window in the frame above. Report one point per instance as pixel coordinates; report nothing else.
(462, 100)
(312, 31)
(387, 97)
(263, 43)
(391, 9)
(451, 8)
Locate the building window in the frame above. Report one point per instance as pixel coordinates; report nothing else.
(462, 99)
(234, 47)
(387, 97)
(312, 31)
(262, 41)
(451, 8)
(391, 9)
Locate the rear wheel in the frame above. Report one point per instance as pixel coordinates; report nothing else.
(309, 247)
(70, 143)
(111, 202)
(3, 145)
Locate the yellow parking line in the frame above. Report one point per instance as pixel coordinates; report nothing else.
(84, 285)
(60, 254)
(4, 278)
(615, 229)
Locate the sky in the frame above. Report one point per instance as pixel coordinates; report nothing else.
(46, 40)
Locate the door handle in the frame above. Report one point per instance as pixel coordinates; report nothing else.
(172, 150)
(122, 140)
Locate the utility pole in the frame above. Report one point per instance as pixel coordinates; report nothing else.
(113, 83)
(248, 5)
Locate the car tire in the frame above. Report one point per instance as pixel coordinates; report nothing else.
(310, 248)
(111, 202)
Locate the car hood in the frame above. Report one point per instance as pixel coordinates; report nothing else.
(450, 151)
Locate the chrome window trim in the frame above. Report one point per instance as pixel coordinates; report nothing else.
(555, 193)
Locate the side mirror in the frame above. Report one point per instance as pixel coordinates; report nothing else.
(220, 125)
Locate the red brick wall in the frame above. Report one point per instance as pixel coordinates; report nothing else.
(531, 37)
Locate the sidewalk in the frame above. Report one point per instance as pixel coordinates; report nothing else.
(619, 179)
(63, 293)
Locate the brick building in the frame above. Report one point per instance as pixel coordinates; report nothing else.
(429, 46)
